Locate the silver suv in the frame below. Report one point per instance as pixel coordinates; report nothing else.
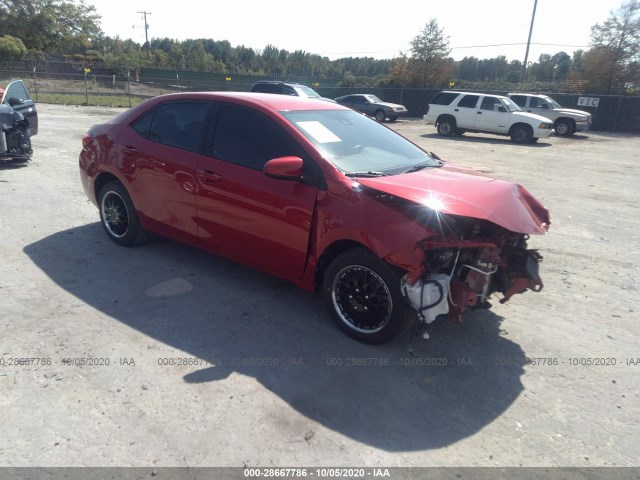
(566, 121)
(454, 113)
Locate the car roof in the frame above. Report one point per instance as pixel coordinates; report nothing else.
(528, 94)
(459, 92)
(275, 82)
(265, 100)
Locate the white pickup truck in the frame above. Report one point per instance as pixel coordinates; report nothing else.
(566, 121)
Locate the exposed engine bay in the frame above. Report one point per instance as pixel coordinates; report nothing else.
(460, 272)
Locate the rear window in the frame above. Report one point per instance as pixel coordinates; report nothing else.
(443, 98)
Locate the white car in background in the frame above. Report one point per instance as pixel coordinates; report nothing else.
(454, 113)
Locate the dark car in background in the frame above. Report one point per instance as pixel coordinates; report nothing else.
(286, 88)
(372, 105)
(18, 121)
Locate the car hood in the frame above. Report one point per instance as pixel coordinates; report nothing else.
(571, 111)
(533, 116)
(387, 104)
(462, 192)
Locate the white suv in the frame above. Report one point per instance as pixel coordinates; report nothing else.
(566, 121)
(454, 113)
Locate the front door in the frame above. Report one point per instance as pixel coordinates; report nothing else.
(17, 96)
(492, 116)
(244, 214)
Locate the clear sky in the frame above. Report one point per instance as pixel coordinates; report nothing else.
(360, 28)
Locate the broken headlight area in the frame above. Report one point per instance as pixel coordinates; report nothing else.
(459, 273)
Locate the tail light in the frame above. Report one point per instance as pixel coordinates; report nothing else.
(87, 139)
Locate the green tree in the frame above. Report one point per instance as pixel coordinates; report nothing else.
(12, 48)
(50, 25)
(430, 47)
(616, 45)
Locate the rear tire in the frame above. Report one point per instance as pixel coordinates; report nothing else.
(363, 294)
(118, 215)
(446, 126)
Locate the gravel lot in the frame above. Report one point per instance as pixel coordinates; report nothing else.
(285, 389)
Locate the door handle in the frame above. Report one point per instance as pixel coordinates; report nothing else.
(456, 110)
(208, 176)
(129, 150)
(479, 113)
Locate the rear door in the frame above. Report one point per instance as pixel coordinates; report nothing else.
(465, 111)
(159, 153)
(241, 212)
(17, 96)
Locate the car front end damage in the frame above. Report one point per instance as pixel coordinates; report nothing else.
(451, 275)
(475, 244)
(14, 135)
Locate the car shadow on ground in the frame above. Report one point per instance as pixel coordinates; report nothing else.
(543, 142)
(456, 383)
(13, 164)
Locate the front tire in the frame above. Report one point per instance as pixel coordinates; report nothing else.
(380, 116)
(564, 128)
(363, 294)
(118, 215)
(521, 134)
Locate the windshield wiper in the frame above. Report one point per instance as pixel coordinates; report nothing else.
(420, 166)
(365, 174)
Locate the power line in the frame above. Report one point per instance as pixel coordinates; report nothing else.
(519, 43)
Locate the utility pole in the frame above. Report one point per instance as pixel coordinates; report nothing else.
(146, 30)
(526, 55)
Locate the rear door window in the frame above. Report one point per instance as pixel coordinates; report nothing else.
(177, 124)
(469, 101)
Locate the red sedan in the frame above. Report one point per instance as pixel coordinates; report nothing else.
(317, 194)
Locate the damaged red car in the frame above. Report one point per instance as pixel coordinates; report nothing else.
(319, 195)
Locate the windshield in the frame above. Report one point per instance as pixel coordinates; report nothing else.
(552, 102)
(356, 144)
(373, 99)
(511, 105)
(306, 91)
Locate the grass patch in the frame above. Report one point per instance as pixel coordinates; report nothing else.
(90, 100)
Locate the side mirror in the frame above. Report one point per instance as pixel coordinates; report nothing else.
(285, 168)
(502, 109)
(545, 106)
(15, 101)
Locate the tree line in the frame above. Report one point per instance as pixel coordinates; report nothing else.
(610, 65)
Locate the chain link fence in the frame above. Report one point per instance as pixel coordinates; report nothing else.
(68, 84)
